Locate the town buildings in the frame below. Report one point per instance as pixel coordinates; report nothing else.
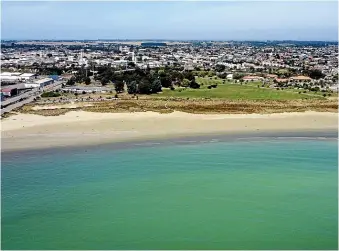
(254, 60)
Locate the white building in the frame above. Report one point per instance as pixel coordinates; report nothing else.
(124, 49)
(10, 79)
(334, 88)
(3, 74)
(44, 82)
(229, 76)
(27, 76)
(10, 74)
(31, 85)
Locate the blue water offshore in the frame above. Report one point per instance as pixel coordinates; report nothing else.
(242, 194)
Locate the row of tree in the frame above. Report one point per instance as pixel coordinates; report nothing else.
(146, 81)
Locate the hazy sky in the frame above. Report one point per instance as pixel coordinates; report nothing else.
(229, 20)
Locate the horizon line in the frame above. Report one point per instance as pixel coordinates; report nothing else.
(164, 39)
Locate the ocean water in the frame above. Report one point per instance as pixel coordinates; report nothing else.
(242, 194)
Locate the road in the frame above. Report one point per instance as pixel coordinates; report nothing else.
(124, 70)
(27, 97)
(17, 105)
(18, 97)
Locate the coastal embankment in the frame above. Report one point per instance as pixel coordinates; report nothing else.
(81, 128)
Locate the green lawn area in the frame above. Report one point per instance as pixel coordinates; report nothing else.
(229, 90)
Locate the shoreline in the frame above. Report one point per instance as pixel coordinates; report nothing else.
(183, 140)
(26, 132)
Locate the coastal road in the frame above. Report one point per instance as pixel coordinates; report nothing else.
(19, 97)
(27, 97)
(17, 105)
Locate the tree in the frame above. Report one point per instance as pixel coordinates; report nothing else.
(316, 74)
(223, 75)
(49, 55)
(161, 73)
(220, 68)
(166, 81)
(132, 87)
(87, 81)
(71, 81)
(104, 81)
(176, 75)
(185, 82)
(131, 64)
(194, 85)
(210, 74)
(189, 75)
(155, 86)
(119, 86)
(144, 87)
(50, 94)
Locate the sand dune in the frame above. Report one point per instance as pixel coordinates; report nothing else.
(26, 131)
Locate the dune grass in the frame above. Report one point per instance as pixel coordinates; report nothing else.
(168, 105)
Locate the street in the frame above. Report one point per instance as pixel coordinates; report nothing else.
(27, 97)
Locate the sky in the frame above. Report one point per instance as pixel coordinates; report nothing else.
(175, 20)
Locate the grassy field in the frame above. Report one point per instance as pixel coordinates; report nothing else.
(228, 97)
(236, 91)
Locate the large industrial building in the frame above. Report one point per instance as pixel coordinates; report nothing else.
(39, 83)
(13, 77)
(27, 76)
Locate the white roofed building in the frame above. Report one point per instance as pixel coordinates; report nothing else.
(9, 79)
(44, 82)
(27, 76)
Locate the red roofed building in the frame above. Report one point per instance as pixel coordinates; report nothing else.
(9, 92)
(301, 78)
(252, 78)
(281, 80)
(272, 76)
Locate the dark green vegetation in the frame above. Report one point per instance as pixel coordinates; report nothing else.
(87, 81)
(153, 44)
(50, 94)
(145, 81)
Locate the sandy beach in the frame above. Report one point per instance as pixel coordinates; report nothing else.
(28, 131)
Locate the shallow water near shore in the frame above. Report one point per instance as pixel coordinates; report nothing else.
(268, 193)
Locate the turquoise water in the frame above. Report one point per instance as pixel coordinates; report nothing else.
(269, 194)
